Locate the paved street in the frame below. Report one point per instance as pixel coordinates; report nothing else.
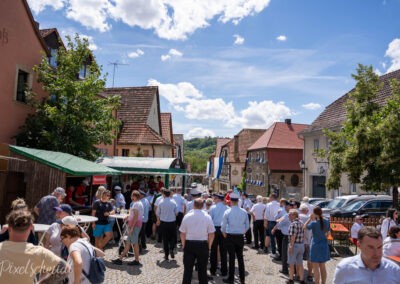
(259, 268)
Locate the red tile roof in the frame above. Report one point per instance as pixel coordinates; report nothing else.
(166, 126)
(335, 113)
(134, 112)
(280, 136)
(46, 32)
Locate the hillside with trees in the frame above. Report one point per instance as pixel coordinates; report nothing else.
(197, 152)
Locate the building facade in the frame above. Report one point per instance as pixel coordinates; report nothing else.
(233, 155)
(315, 169)
(144, 131)
(18, 30)
(273, 161)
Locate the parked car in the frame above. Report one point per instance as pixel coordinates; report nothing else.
(344, 200)
(322, 203)
(313, 200)
(375, 206)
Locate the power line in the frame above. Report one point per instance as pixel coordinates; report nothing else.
(115, 64)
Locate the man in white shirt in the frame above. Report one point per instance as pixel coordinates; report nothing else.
(368, 266)
(257, 211)
(270, 214)
(357, 226)
(197, 234)
(180, 203)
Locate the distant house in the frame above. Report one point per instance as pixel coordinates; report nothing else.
(233, 155)
(21, 47)
(144, 130)
(315, 169)
(213, 181)
(273, 161)
(179, 143)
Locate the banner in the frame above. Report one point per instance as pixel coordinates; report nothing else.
(99, 180)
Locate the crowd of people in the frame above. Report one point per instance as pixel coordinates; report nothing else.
(212, 230)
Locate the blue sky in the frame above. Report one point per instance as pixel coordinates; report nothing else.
(225, 65)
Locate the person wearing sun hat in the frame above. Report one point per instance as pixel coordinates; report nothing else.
(52, 239)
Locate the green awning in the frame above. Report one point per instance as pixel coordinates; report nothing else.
(140, 165)
(64, 162)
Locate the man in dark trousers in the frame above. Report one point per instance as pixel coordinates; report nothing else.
(166, 220)
(197, 234)
(217, 213)
(234, 225)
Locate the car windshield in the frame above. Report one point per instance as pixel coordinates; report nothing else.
(336, 203)
(354, 206)
(322, 203)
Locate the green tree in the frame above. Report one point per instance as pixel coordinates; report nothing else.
(359, 148)
(74, 118)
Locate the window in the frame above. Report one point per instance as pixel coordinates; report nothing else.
(352, 188)
(316, 144)
(84, 71)
(125, 152)
(294, 180)
(22, 85)
(146, 153)
(103, 151)
(53, 57)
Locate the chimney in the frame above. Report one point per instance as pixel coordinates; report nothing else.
(288, 121)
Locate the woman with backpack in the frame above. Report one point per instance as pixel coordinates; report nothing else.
(389, 221)
(80, 255)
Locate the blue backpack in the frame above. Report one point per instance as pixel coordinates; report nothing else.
(97, 268)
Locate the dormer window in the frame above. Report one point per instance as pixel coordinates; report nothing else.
(53, 57)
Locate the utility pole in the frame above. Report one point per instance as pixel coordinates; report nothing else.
(115, 64)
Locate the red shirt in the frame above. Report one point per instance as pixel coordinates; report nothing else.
(80, 190)
(160, 184)
(68, 196)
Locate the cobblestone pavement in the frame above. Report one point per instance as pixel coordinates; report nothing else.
(259, 268)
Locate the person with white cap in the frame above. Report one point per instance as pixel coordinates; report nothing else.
(234, 225)
(119, 198)
(217, 213)
(166, 220)
(45, 207)
(52, 238)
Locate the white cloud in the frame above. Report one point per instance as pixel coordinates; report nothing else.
(38, 6)
(177, 94)
(199, 132)
(136, 54)
(170, 19)
(393, 52)
(238, 40)
(184, 97)
(312, 106)
(90, 13)
(261, 114)
(171, 53)
(92, 45)
(281, 38)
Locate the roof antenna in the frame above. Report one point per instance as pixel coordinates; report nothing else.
(115, 64)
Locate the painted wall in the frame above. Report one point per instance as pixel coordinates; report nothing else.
(152, 150)
(20, 47)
